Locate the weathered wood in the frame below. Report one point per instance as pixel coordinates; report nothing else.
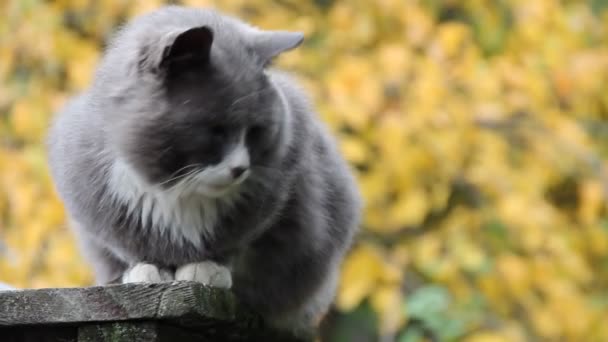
(177, 300)
(184, 311)
(122, 331)
(39, 334)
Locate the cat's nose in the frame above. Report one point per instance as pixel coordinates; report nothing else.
(238, 171)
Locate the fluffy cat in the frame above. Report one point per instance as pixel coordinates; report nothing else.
(190, 158)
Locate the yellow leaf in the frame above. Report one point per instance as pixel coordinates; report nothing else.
(418, 24)
(546, 324)
(576, 267)
(450, 39)
(598, 240)
(374, 219)
(410, 209)
(400, 255)
(354, 150)
(470, 256)
(22, 201)
(394, 60)
(427, 251)
(144, 6)
(360, 274)
(439, 195)
(387, 301)
(80, 74)
(513, 208)
(592, 198)
(515, 274)
(572, 313)
(81, 67)
(374, 186)
(487, 336)
(26, 119)
(51, 212)
(391, 273)
(7, 60)
(341, 16)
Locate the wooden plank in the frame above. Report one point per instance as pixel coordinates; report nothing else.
(186, 302)
(39, 334)
(145, 331)
(176, 311)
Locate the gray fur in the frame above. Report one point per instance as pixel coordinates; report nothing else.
(283, 231)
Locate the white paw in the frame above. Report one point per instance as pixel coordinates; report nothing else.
(206, 272)
(146, 273)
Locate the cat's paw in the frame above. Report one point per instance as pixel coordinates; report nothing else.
(146, 273)
(206, 272)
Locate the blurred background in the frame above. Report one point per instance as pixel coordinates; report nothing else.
(478, 131)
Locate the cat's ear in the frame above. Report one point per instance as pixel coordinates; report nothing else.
(269, 44)
(189, 49)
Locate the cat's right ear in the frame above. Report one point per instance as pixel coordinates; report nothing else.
(190, 49)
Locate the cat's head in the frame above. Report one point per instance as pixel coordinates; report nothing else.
(195, 106)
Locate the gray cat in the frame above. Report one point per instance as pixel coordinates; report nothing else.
(190, 158)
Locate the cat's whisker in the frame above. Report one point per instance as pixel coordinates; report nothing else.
(186, 167)
(174, 178)
(253, 93)
(191, 180)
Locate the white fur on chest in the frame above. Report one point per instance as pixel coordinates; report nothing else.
(175, 213)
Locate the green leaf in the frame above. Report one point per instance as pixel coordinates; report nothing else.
(413, 334)
(427, 301)
(434, 307)
(360, 324)
(598, 6)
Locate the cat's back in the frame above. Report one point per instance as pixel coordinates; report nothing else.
(323, 158)
(306, 125)
(291, 92)
(74, 142)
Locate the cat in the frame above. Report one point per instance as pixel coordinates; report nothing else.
(190, 157)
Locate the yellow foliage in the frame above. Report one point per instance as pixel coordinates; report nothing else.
(515, 274)
(487, 337)
(387, 300)
(591, 194)
(477, 129)
(409, 209)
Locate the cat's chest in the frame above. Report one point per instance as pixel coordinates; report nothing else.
(173, 216)
(187, 219)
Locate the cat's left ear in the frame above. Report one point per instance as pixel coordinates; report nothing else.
(190, 48)
(269, 44)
